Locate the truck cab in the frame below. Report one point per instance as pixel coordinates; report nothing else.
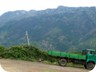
(90, 58)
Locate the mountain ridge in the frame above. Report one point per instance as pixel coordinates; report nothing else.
(63, 28)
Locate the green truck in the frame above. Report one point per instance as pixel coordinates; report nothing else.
(86, 57)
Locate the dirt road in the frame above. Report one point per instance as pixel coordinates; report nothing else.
(25, 66)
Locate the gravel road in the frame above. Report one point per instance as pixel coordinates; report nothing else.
(26, 66)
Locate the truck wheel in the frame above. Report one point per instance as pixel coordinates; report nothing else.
(62, 62)
(90, 65)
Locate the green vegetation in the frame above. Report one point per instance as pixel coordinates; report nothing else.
(23, 53)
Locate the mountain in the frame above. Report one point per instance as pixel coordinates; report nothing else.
(63, 28)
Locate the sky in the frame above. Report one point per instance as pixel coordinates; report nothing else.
(12, 5)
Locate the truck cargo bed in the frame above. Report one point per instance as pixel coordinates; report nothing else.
(67, 55)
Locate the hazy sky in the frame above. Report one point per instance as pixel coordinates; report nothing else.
(11, 5)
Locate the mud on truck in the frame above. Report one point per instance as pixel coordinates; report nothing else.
(86, 58)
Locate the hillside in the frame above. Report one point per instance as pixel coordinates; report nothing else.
(63, 28)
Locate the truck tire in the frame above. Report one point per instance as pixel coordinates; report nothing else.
(90, 65)
(62, 62)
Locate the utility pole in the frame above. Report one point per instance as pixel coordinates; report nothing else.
(27, 37)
